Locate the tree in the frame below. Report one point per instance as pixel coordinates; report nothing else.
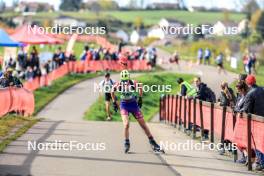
(132, 4)
(70, 5)
(108, 5)
(138, 23)
(250, 7)
(226, 16)
(260, 24)
(2, 6)
(95, 7)
(255, 19)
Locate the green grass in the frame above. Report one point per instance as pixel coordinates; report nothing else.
(149, 17)
(8, 122)
(45, 95)
(153, 16)
(42, 96)
(150, 100)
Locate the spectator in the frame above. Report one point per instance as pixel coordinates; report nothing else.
(254, 104)
(10, 80)
(11, 63)
(220, 63)
(175, 58)
(254, 100)
(253, 59)
(37, 71)
(21, 58)
(58, 57)
(204, 93)
(34, 57)
(84, 53)
(186, 89)
(29, 74)
(61, 56)
(242, 77)
(106, 87)
(96, 54)
(242, 90)
(207, 55)
(200, 55)
(227, 97)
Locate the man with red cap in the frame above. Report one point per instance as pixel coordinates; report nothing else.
(254, 104)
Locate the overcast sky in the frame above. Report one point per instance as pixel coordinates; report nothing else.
(230, 4)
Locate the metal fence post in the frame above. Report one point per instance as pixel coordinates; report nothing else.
(201, 118)
(160, 108)
(176, 114)
(180, 114)
(249, 147)
(189, 113)
(223, 127)
(194, 118)
(212, 124)
(185, 113)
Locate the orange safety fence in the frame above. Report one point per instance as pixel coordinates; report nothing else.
(220, 121)
(21, 100)
(18, 100)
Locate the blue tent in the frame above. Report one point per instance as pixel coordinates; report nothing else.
(6, 41)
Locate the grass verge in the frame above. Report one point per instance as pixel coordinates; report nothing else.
(150, 99)
(7, 125)
(13, 126)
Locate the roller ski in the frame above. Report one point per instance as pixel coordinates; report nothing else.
(127, 146)
(155, 147)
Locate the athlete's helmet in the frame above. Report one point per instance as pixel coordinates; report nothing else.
(124, 75)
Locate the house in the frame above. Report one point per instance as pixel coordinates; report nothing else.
(167, 22)
(68, 21)
(164, 5)
(156, 32)
(242, 25)
(19, 20)
(171, 27)
(136, 36)
(122, 35)
(34, 7)
(225, 28)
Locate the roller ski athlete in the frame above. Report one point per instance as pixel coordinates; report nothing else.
(129, 103)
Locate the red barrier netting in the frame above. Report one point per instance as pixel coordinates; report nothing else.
(236, 133)
(16, 99)
(11, 99)
(240, 134)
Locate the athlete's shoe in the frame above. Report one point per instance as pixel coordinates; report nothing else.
(127, 146)
(155, 147)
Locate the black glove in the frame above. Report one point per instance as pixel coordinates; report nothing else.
(140, 102)
(115, 106)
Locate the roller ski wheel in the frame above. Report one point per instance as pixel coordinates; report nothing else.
(156, 148)
(126, 147)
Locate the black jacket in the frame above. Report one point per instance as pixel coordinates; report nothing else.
(254, 101)
(224, 100)
(201, 93)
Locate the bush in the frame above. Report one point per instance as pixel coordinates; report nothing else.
(255, 38)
